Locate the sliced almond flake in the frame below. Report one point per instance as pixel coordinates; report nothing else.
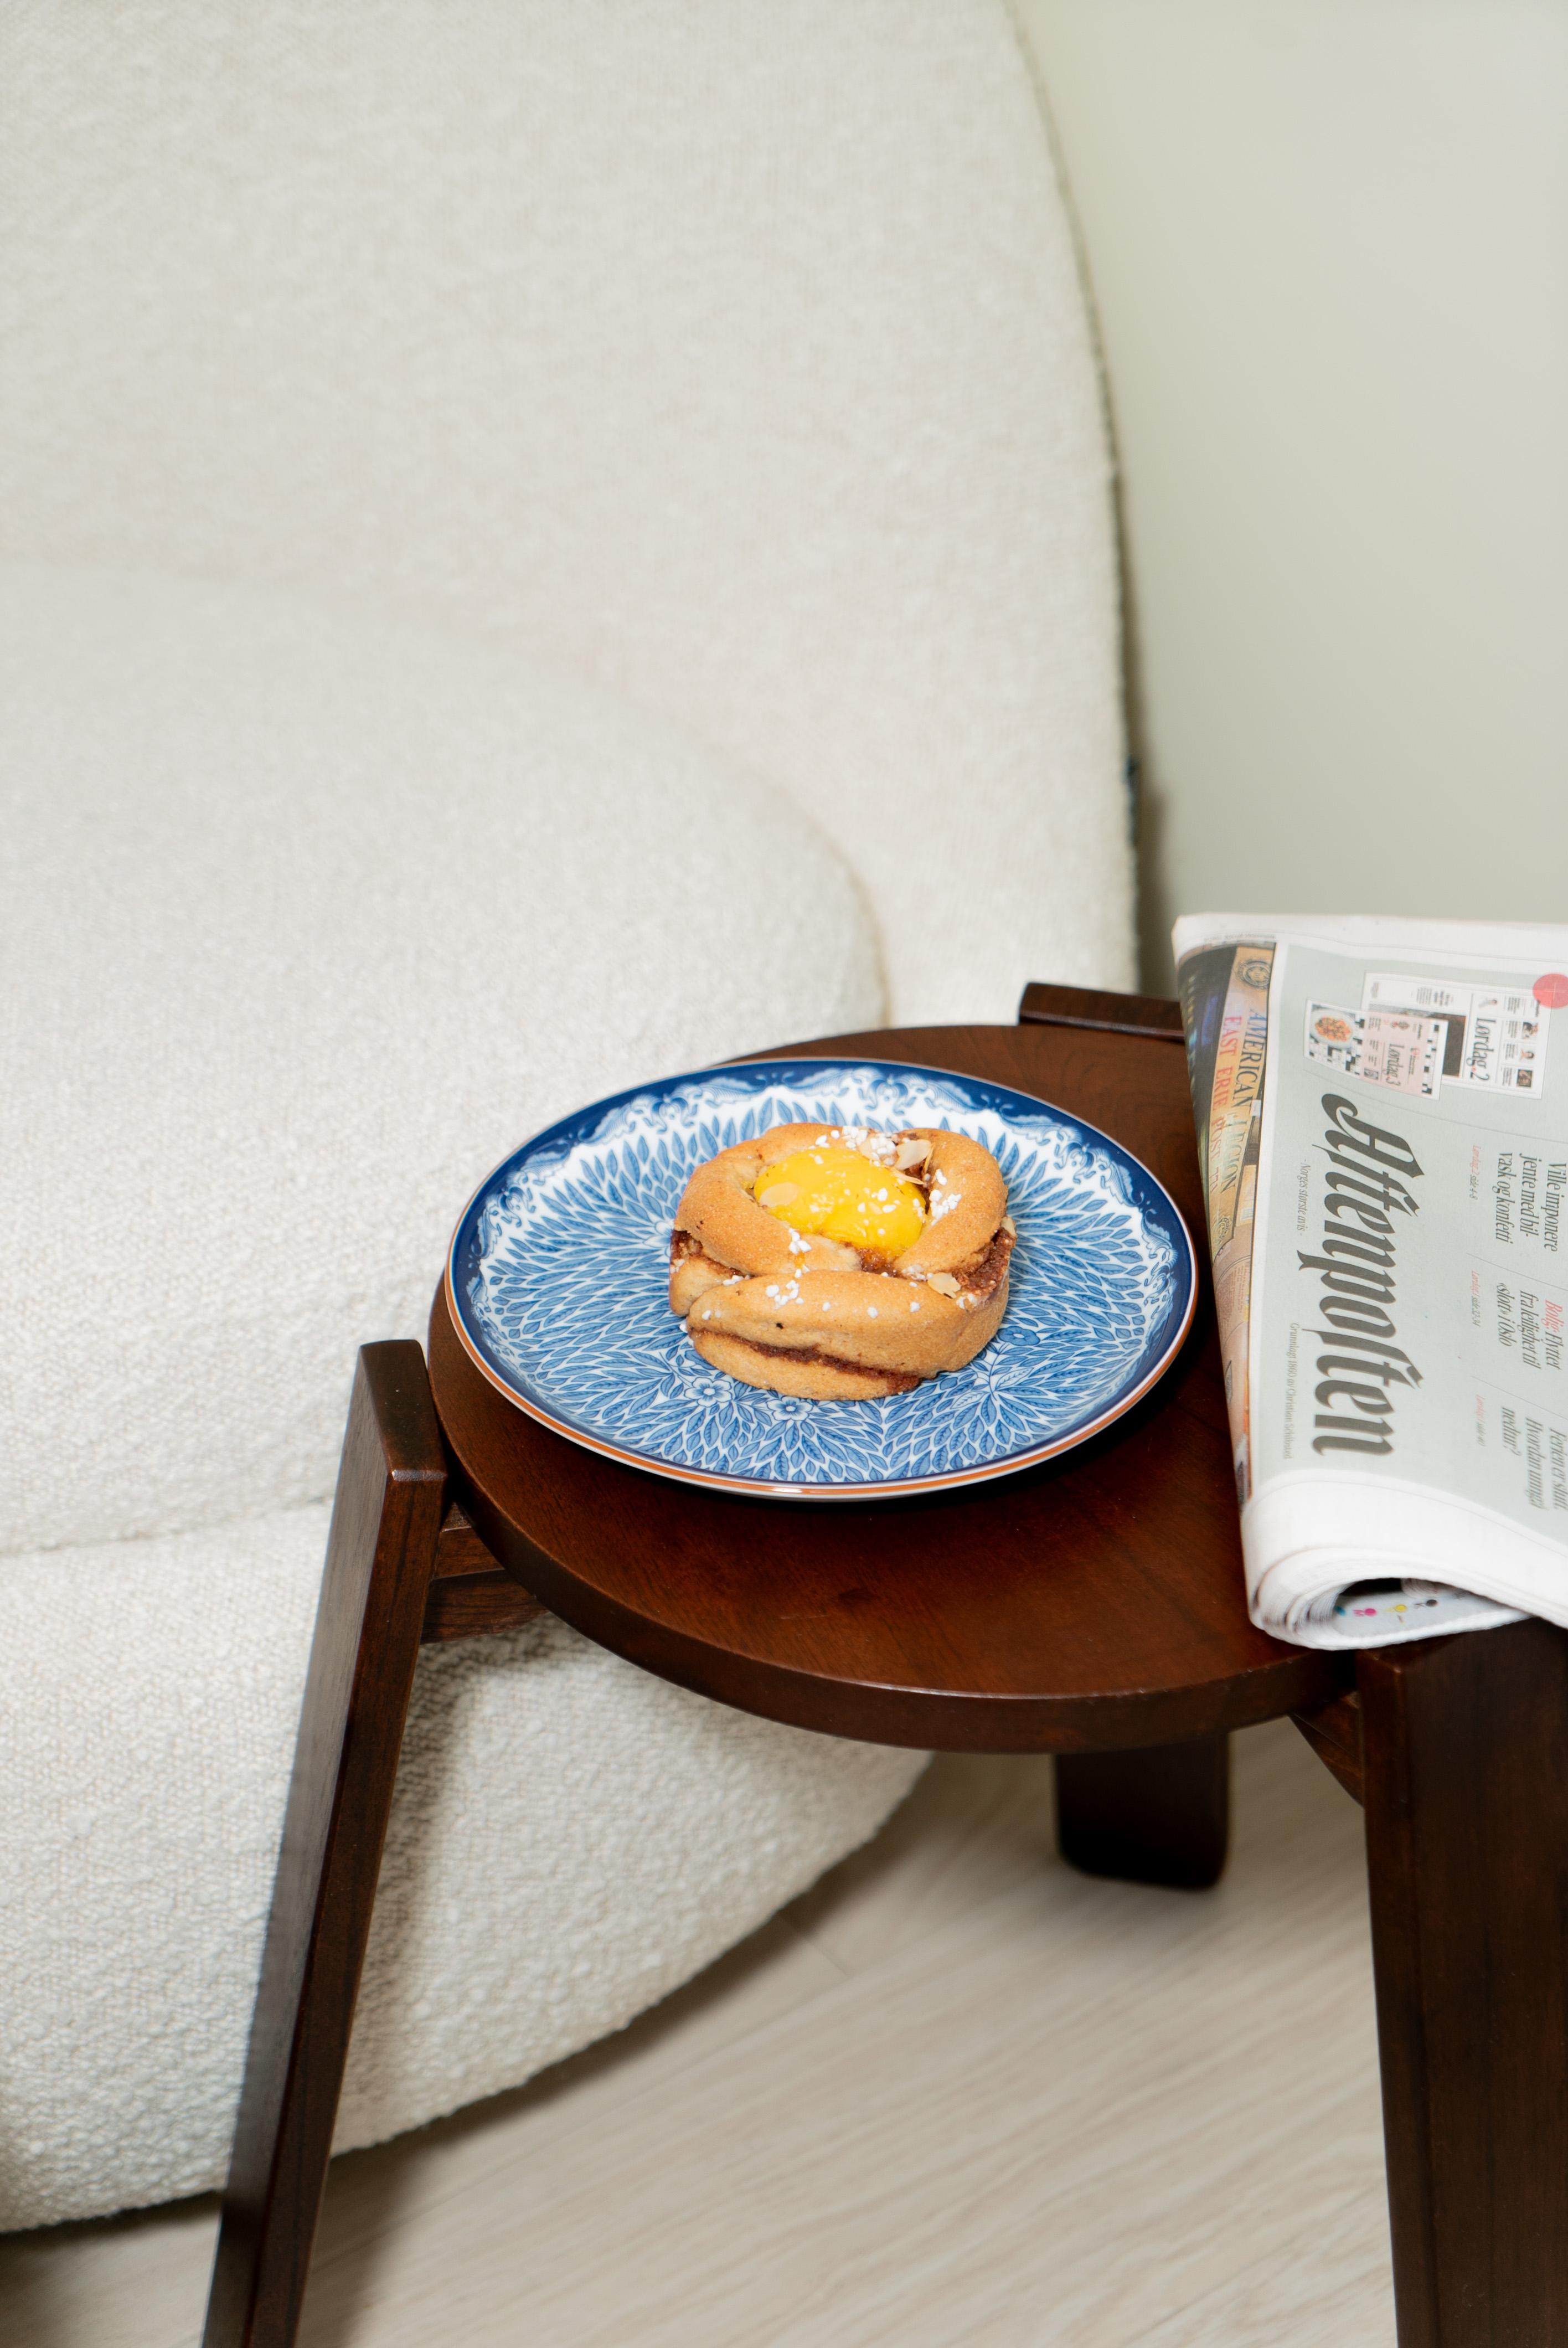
(779, 1194)
(943, 1283)
(1008, 1226)
(911, 1153)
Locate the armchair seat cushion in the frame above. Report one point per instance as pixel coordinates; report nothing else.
(569, 1839)
(307, 916)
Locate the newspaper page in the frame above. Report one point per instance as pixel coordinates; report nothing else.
(1382, 1118)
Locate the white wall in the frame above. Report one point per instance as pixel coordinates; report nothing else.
(1328, 245)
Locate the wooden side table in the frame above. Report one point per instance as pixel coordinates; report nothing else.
(1091, 1607)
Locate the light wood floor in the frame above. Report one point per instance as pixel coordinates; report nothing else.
(957, 2096)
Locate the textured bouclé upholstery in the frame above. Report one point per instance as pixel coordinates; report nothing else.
(569, 1839)
(315, 917)
(549, 541)
(733, 353)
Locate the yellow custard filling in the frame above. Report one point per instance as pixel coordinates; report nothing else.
(833, 1192)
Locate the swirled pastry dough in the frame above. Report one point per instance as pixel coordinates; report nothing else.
(833, 1318)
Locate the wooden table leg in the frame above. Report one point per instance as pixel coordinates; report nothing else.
(390, 1496)
(1159, 1814)
(1466, 1793)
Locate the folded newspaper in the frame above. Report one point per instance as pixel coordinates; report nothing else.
(1383, 1127)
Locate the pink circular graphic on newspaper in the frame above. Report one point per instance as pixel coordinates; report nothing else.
(1552, 990)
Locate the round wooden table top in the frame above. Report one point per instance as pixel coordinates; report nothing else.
(1091, 1604)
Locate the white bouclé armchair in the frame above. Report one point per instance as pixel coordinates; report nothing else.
(540, 544)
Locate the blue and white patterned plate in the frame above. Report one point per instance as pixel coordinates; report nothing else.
(558, 1276)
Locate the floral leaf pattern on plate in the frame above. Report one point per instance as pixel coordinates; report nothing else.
(559, 1270)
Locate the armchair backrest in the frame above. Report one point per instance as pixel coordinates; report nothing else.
(733, 348)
